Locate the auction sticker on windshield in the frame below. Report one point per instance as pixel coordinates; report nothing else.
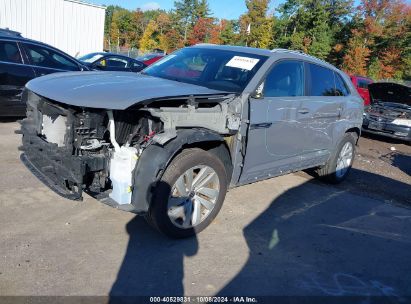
(245, 63)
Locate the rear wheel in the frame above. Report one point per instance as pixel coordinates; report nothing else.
(339, 165)
(189, 195)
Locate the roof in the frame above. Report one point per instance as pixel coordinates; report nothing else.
(263, 52)
(243, 49)
(87, 3)
(9, 33)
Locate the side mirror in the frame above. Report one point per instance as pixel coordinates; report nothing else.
(259, 92)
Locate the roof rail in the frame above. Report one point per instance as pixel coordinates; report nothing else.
(7, 32)
(299, 53)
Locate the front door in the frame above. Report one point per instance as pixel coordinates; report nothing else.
(275, 141)
(14, 75)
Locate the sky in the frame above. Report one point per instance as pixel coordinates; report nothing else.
(223, 9)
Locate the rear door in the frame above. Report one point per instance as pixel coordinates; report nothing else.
(319, 113)
(46, 60)
(275, 141)
(14, 74)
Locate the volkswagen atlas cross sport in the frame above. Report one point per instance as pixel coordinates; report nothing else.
(169, 142)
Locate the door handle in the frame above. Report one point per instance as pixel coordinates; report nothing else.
(261, 126)
(304, 111)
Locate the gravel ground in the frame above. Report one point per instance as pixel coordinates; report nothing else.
(290, 235)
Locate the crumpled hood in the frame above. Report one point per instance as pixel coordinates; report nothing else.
(110, 90)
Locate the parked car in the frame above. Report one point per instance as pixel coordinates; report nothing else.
(112, 62)
(149, 59)
(390, 111)
(361, 84)
(23, 59)
(168, 146)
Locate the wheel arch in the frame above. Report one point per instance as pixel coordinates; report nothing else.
(155, 159)
(356, 131)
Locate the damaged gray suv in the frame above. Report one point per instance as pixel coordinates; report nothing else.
(169, 142)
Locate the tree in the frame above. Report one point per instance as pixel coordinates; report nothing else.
(307, 25)
(227, 32)
(149, 41)
(355, 61)
(201, 9)
(201, 31)
(260, 25)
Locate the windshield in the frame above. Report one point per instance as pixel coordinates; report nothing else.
(215, 69)
(90, 58)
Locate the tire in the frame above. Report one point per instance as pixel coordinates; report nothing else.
(172, 221)
(329, 172)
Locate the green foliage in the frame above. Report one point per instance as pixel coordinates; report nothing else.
(150, 39)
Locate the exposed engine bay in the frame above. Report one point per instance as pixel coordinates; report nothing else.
(96, 150)
(390, 110)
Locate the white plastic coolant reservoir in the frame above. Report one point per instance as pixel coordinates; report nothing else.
(121, 167)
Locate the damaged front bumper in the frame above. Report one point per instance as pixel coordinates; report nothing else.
(61, 172)
(384, 127)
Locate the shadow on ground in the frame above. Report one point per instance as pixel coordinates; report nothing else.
(317, 240)
(153, 264)
(313, 240)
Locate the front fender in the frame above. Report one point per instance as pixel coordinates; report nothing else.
(154, 161)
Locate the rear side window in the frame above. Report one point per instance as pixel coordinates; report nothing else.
(341, 88)
(322, 81)
(9, 52)
(47, 58)
(285, 79)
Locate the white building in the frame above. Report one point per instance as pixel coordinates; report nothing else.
(72, 26)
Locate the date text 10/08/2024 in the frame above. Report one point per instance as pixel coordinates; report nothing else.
(203, 300)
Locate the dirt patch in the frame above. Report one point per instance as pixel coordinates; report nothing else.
(384, 157)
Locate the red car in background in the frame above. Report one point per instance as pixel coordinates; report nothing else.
(361, 84)
(149, 59)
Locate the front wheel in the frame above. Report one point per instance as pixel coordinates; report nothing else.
(339, 165)
(189, 195)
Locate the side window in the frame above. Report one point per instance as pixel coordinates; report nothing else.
(341, 88)
(322, 81)
(47, 58)
(113, 62)
(66, 64)
(9, 52)
(286, 78)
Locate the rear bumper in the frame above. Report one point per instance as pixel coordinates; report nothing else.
(387, 129)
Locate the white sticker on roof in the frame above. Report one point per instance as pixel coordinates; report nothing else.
(245, 63)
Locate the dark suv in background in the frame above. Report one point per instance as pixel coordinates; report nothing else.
(21, 60)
